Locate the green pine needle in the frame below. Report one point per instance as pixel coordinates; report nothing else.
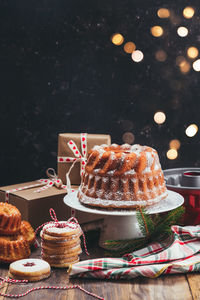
(145, 222)
(153, 227)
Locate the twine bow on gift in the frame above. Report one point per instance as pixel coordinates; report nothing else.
(71, 223)
(82, 158)
(44, 184)
(52, 181)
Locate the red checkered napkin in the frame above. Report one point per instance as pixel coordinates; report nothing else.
(180, 255)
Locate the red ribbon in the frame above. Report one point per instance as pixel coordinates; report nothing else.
(78, 156)
(70, 223)
(42, 183)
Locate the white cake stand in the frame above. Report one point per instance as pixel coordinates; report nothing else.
(122, 224)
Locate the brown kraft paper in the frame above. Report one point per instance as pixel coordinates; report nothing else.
(34, 207)
(64, 150)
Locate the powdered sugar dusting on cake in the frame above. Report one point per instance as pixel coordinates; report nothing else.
(104, 203)
(100, 149)
(137, 149)
(126, 173)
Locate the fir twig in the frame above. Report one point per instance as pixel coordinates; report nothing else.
(153, 227)
(145, 222)
(143, 219)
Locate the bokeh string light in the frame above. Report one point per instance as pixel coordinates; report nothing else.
(192, 52)
(196, 65)
(180, 60)
(185, 66)
(182, 31)
(159, 117)
(172, 154)
(188, 12)
(128, 137)
(191, 130)
(117, 39)
(161, 55)
(157, 31)
(163, 13)
(137, 56)
(174, 144)
(129, 47)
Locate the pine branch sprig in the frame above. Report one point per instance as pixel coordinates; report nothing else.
(153, 227)
(145, 222)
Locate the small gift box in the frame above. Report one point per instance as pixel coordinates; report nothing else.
(34, 199)
(72, 149)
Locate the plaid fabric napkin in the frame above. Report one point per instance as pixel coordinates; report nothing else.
(179, 255)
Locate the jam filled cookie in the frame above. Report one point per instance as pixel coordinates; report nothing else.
(31, 269)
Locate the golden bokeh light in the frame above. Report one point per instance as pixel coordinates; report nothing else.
(188, 12)
(129, 47)
(117, 39)
(192, 52)
(191, 130)
(137, 56)
(172, 154)
(185, 66)
(159, 117)
(128, 137)
(174, 144)
(196, 65)
(180, 60)
(163, 13)
(161, 55)
(182, 31)
(156, 31)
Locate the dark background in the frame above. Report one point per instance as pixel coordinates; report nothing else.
(60, 72)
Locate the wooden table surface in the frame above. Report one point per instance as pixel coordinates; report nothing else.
(168, 287)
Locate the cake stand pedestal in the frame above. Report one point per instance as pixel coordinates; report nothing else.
(122, 224)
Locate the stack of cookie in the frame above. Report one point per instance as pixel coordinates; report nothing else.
(61, 243)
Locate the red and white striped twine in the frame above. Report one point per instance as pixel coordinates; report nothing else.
(72, 221)
(43, 184)
(84, 239)
(8, 280)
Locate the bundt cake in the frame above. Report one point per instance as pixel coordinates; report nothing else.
(28, 232)
(13, 248)
(122, 177)
(10, 219)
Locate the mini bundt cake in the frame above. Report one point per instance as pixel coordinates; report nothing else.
(13, 248)
(28, 232)
(10, 219)
(122, 177)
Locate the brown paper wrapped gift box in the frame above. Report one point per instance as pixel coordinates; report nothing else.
(34, 207)
(64, 150)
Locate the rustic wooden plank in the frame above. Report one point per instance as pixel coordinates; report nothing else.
(169, 287)
(193, 280)
(3, 290)
(59, 277)
(166, 287)
(3, 273)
